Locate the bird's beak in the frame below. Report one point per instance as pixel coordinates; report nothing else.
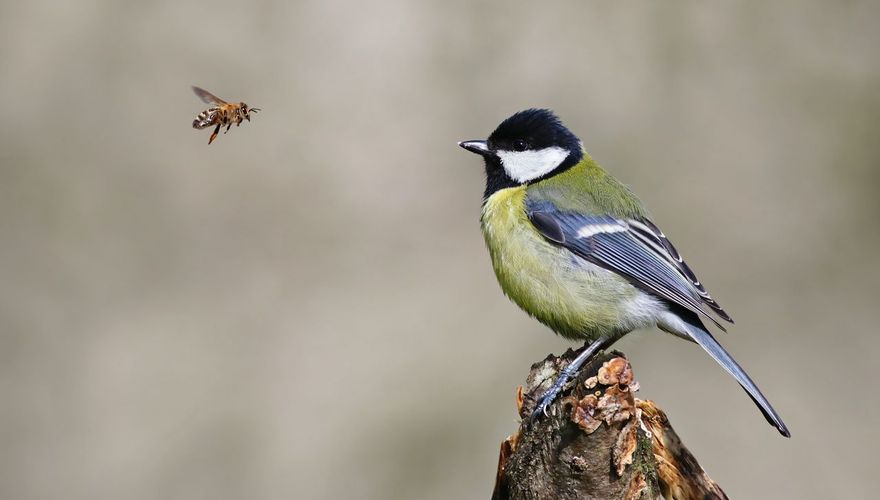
(478, 147)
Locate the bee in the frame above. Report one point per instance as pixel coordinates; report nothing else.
(222, 113)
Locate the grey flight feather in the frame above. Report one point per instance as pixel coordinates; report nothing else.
(635, 249)
(651, 234)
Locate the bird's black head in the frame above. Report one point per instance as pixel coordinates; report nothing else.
(527, 147)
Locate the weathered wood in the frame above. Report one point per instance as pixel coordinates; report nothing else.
(596, 441)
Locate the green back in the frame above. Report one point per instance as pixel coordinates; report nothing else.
(586, 188)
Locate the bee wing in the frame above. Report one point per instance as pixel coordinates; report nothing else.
(207, 96)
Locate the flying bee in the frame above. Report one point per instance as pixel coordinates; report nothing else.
(222, 113)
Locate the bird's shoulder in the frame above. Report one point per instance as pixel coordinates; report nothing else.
(587, 189)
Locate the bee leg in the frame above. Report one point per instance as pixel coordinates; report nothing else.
(214, 135)
(228, 127)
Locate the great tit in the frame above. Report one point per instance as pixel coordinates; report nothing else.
(575, 249)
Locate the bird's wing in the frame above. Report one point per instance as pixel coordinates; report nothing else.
(635, 249)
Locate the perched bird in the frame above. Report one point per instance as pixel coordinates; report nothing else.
(575, 249)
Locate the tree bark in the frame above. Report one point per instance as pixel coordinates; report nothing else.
(596, 441)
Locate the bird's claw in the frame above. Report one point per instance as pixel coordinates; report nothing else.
(540, 411)
(543, 405)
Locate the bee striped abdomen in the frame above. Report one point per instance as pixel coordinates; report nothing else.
(206, 118)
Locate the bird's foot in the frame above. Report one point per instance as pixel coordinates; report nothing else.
(567, 373)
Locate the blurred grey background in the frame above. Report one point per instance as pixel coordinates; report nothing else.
(305, 309)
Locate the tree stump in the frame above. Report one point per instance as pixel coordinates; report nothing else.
(596, 441)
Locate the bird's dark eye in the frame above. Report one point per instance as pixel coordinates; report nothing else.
(519, 145)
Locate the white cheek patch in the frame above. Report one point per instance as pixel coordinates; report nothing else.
(524, 166)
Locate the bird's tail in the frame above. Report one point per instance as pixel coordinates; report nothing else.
(711, 346)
